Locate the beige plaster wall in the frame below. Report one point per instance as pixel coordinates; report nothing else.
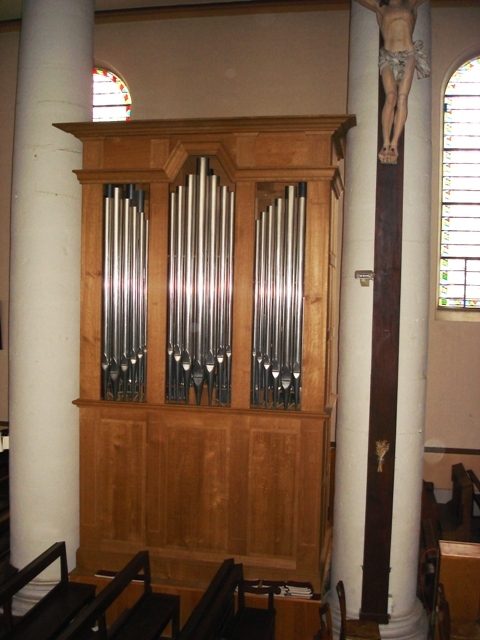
(273, 64)
(453, 391)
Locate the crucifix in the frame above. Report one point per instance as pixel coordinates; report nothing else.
(399, 56)
(398, 59)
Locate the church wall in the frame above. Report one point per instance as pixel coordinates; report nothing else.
(255, 65)
(278, 64)
(453, 398)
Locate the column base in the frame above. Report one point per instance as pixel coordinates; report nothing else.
(413, 626)
(30, 595)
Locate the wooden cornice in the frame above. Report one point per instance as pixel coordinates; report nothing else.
(255, 124)
(213, 9)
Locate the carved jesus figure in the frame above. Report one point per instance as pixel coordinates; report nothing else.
(398, 59)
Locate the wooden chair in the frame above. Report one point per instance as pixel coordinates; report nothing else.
(254, 623)
(325, 631)
(365, 629)
(449, 629)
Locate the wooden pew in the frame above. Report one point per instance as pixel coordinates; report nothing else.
(476, 483)
(146, 620)
(55, 610)
(430, 507)
(214, 616)
(456, 515)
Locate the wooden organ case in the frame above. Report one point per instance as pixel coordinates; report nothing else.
(196, 483)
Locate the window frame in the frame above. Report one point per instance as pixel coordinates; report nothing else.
(123, 89)
(460, 312)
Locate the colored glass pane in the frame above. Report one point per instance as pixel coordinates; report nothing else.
(466, 238)
(461, 142)
(472, 170)
(455, 103)
(464, 88)
(461, 224)
(462, 156)
(111, 98)
(450, 249)
(460, 211)
(462, 182)
(450, 195)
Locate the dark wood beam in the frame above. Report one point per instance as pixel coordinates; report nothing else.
(383, 383)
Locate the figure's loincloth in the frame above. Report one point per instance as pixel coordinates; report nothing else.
(397, 61)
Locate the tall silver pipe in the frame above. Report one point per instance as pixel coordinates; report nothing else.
(187, 351)
(145, 297)
(298, 303)
(142, 312)
(107, 288)
(288, 315)
(222, 290)
(134, 322)
(256, 350)
(198, 365)
(228, 350)
(116, 283)
(278, 297)
(212, 284)
(172, 287)
(179, 288)
(268, 305)
(126, 286)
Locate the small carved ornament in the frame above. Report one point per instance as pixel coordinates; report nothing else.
(382, 446)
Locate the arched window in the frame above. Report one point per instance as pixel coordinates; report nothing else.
(111, 98)
(459, 283)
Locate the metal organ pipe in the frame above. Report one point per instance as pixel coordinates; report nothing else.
(278, 302)
(200, 289)
(124, 339)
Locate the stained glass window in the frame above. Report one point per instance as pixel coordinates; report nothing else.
(111, 98)
(459, 285)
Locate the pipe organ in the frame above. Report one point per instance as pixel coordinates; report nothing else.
(211, 249)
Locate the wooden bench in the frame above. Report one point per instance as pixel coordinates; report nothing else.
(476, 484)
(215, 618)
(48, 617)
(146, 620)
(456, 515)
(430, 507)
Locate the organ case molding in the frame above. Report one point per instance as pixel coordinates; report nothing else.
(197, 484)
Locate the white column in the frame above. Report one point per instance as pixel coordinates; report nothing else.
(408, 619)
(407, 612)
(54, 85)
(355, 331)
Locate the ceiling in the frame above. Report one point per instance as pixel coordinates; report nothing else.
(12, 9)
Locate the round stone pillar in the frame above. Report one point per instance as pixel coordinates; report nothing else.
(54, 85)
(408, 620)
